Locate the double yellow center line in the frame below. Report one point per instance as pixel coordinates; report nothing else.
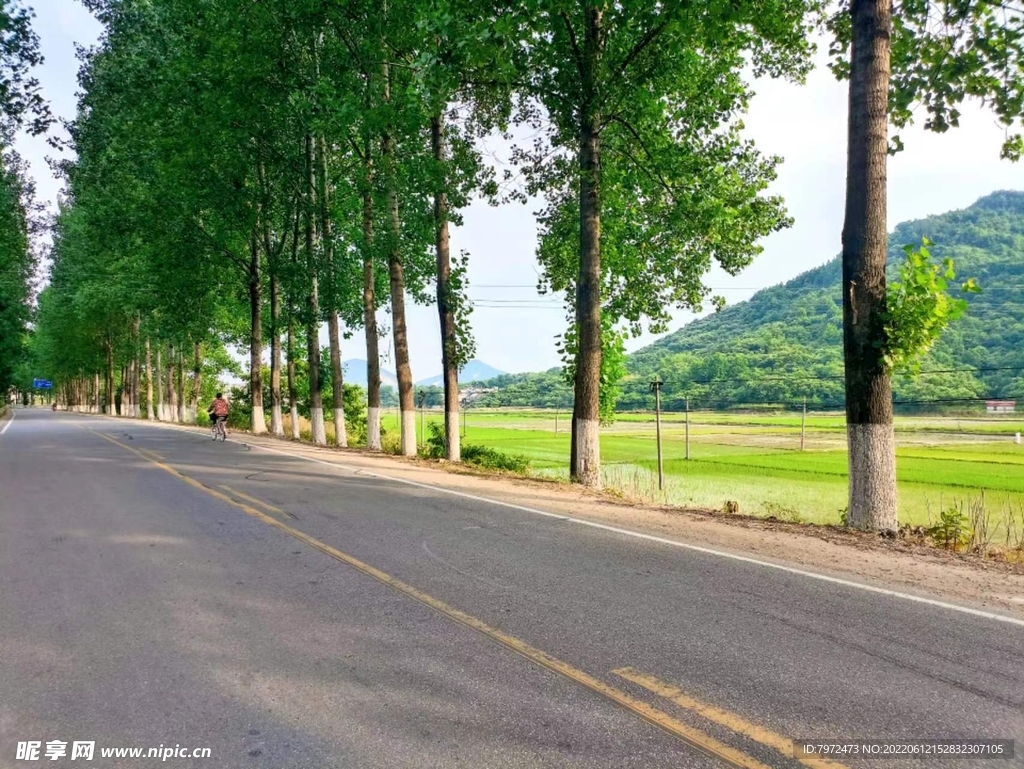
(673, 726)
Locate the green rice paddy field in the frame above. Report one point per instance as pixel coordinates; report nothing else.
(756, 461)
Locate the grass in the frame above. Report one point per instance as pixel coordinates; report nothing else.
(755, 461)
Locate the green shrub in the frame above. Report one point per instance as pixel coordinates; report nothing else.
(202, 418)
(491, 459)
(390, 443)
(436, 446)
(953, 531)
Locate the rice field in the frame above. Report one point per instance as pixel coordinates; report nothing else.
(756, 460)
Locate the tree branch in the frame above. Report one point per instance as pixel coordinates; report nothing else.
(575, 45)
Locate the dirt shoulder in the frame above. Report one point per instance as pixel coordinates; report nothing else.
(891, 564)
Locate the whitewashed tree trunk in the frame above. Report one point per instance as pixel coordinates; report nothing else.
(318, 427)
(409, 448)
(182, 404)
(172, 393)
(873, 500)
(292, 392)
(149, 383)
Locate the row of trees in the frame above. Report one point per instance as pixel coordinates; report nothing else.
(21, 109)
(249, 171)
(246, 172)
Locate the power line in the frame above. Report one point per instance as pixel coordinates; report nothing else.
(818, 377)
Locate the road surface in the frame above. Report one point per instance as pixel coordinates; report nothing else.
(160, 589)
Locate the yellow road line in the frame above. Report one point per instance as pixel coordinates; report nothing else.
(723, 717)
(151, 455)
(253, 500)
(687, 734)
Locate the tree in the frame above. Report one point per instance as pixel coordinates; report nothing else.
(21, 107)
(16, 267)
(647, 177)
(933, 55)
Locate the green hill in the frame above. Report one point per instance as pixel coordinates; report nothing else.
(785, 343)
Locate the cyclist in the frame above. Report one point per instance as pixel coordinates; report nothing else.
(218, 411)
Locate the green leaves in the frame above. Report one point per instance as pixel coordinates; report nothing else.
(613, 365)
(919, 307)
(21, 102)
(945, 52)
(16, 268)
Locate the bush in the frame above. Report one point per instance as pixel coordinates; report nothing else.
(390, 443)
(202, 418)
(953, 531)
(240, 415)
(435, 447)
(491, 459)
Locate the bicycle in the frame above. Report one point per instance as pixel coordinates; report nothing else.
(218, 428)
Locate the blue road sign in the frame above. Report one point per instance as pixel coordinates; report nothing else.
(42, 384)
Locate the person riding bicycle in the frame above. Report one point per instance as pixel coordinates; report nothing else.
(218, 410)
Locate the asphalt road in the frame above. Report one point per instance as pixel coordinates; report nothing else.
(159, 589)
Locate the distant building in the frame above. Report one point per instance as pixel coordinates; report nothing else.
(468, 395)
(1000, 407)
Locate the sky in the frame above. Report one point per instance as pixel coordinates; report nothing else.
(514, 330)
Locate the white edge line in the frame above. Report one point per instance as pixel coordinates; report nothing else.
(640, 535)
(8, 423)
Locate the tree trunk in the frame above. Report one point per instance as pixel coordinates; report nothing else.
(397, 278)
(149, 383)
(125, 390)
(98, 407)
(172, 395)
(337, 380)
(276, 419)
(449, 353)
(111, 408)
(272, 266)
(259, 421)
(136, 365)
(869, 428)
(370, 312)
(123, 406)
(333, 325)
(197, 382)
(316, 404)
(586, 450)
(293, 402)
(161, 413)
(181, 386)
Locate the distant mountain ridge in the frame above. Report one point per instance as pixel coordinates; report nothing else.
(474, 371)
(354, 371)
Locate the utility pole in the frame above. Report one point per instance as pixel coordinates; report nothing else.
(803, 425)
(656, 389)
(423, 434)
(687, 428)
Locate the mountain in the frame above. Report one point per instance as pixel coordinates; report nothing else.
(785, 342)
(354, 372)
(474, 371)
